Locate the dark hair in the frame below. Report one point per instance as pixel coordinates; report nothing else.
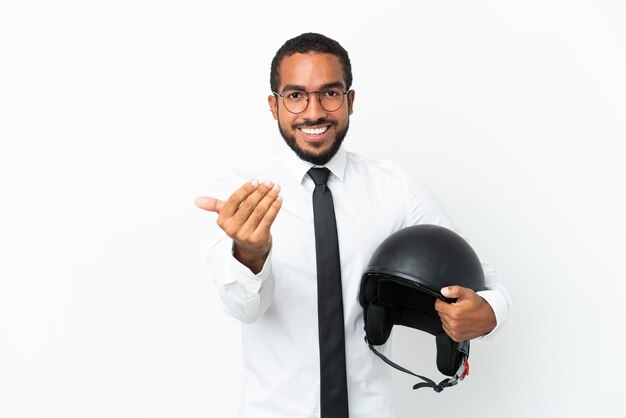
(310, 42)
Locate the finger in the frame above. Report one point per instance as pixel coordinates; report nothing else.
(270, 216)
(449, 312)
(454, 292)
(444, 316)
(234, 201)
(446, 328)
(441, 306)
(260, 211)
(451, 328)
(209, 203)
(452, 334)
(444, 308)
(252, 205)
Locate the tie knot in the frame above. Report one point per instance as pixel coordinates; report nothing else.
(319, 175)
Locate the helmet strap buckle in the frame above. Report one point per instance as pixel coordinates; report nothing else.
(463, 370)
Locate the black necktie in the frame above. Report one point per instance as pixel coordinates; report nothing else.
(333, 384)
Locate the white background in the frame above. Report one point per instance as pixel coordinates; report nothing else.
(113, 116)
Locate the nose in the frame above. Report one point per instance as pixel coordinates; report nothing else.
(314, 109)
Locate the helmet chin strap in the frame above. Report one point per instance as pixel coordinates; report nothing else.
(460, 374)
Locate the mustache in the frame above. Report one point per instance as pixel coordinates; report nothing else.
(308, 122)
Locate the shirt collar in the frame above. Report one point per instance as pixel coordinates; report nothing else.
(299, 168)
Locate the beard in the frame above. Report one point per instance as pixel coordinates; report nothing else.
(316, 159)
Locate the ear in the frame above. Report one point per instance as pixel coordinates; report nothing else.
(273, 102)
(350, 101)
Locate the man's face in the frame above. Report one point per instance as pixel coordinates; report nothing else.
(315, 134)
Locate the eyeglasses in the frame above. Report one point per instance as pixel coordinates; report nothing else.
(296, 101)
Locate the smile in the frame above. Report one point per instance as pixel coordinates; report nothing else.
(315, 131)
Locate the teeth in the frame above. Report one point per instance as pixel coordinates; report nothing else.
(315, 131)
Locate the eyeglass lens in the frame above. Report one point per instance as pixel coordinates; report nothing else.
(296, 101)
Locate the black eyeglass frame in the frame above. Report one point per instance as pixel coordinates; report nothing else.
(319, 99)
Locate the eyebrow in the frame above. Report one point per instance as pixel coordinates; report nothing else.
(290, 87)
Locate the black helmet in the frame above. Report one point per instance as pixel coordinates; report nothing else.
(401, 283)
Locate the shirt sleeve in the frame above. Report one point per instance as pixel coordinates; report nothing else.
(243, 295)
(424, 208)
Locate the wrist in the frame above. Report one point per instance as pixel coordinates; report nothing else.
(251, 259)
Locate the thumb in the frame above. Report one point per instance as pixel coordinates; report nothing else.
(209, 203)
(455, 292)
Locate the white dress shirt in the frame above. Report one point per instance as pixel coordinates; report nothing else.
(278, 306)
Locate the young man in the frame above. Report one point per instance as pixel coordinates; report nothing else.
(265, 263)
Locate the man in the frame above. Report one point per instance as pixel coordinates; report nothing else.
(263, 256)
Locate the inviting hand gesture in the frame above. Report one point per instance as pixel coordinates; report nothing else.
(246, 217)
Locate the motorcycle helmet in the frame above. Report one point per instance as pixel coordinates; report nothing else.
(404, 278)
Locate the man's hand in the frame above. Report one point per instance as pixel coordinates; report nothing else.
(246, 217)
(469, 317)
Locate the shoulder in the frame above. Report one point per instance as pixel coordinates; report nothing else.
(391, 179)
(379, 169)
